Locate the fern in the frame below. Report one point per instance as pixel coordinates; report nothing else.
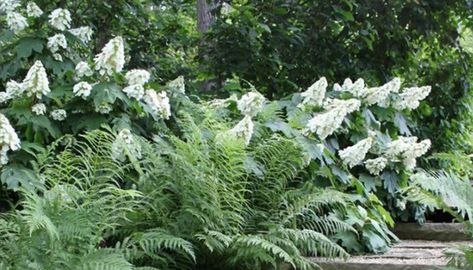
(443, 190)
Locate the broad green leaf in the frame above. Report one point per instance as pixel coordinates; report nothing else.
(27, 45)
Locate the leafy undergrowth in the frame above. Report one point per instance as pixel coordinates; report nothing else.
(197, 201)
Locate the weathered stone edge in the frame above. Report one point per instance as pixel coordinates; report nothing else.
(432, 231)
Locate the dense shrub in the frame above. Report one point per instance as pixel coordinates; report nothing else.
(53, 85)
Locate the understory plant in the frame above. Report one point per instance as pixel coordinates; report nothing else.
(122, 202)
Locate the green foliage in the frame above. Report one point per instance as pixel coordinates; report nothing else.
(106, 103)
(281, 47)
(187, 202)
(452, 194)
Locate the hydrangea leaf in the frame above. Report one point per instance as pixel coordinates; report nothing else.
(27, 45)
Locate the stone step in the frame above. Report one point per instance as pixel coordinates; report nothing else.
(407, 255)
(432, 231)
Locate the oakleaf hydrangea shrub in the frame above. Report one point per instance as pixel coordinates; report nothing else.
(355, 137)
(52, 84)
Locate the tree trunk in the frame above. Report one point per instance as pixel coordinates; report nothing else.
(204, 21)
(204, 16)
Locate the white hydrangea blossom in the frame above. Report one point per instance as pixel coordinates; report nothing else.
(14, 89)
(33, 10)
(57, 57)
(137, 76)
(82, 89)
(410, 97)
(56, 41)
(357, 88)
(134, 91)
(16, 22)
(84, 33)
(8, 139)
(244, 129)
(125, 145)
(60, 19)
(178, 85)
(7, 6)
(407, 149)
(355, 154)
(315, 94)
(251, 103)
(4, 97)
(83, 69)
(376, 166)
(104, 108)
(36, 81)
(159, 103)
(39, 109)
(59, 115)
(416, 150)
(325, 123)
(379, 95)
(112, 57)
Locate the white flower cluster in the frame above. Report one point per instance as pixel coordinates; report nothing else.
(251, 103)
(8, 5)
(39, 109)
(56, 41)
(159, 103)
(314, 95)
(13, 90)
(59, 115)
(244, 129)
(60, 19)
(376, 166)
(178, 85)
(16, 22)
(379, 95)
(8, 139)
(326, 123)
(35, 84)
(354, 155)
(125, 145)
(136, 91)
(136, 79)
(356, 88)
(83, 69)
(407, 149)
(84, 33)
(112, 57)
(33, 10)
(137, 76)
(82, 89)
(410, 97)
(36, 81)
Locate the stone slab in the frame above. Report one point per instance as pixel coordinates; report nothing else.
(407, 255)
(432, 231)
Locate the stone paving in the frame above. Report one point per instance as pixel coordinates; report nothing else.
(408, 254)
